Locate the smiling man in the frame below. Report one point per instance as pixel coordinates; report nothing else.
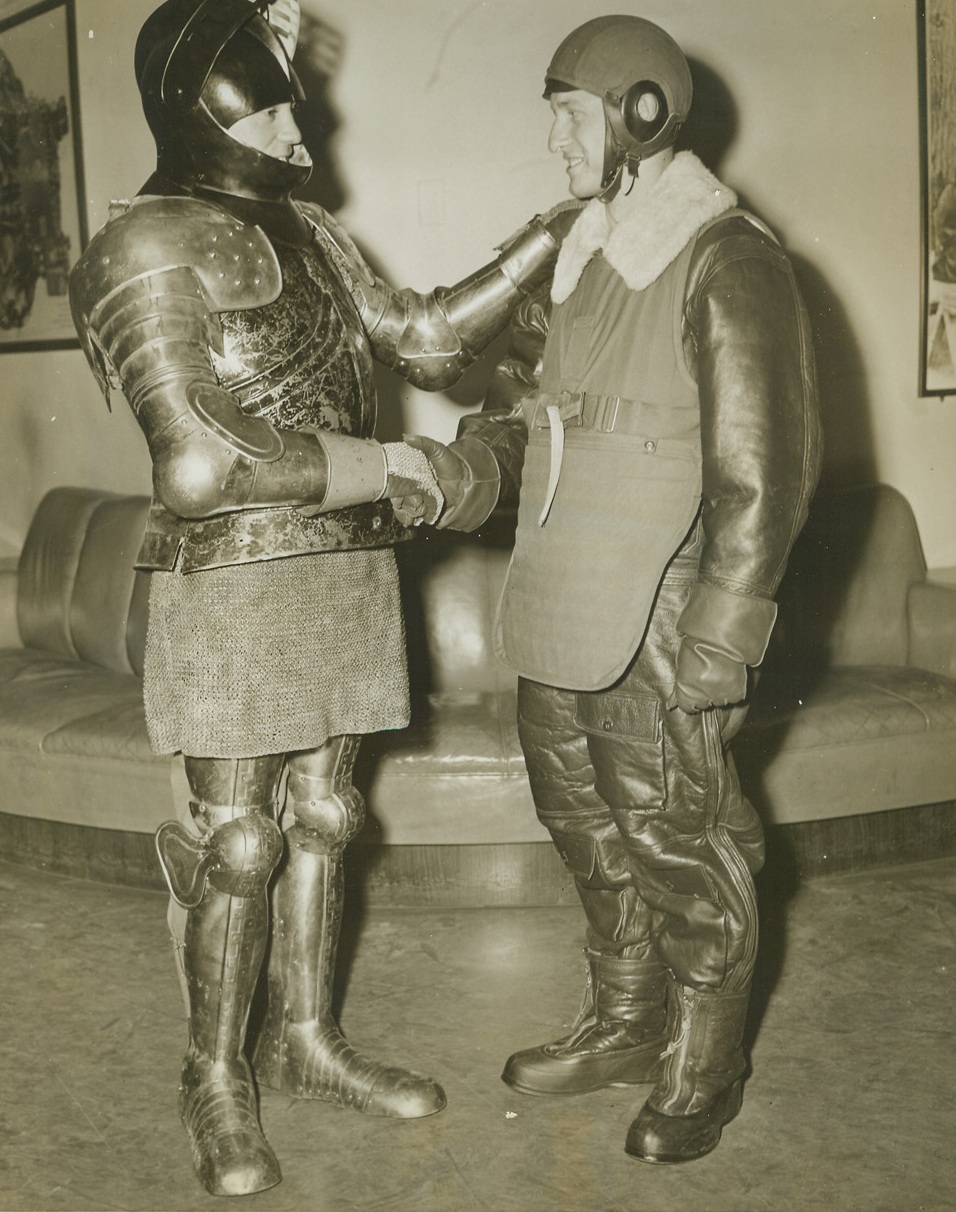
(658, 414)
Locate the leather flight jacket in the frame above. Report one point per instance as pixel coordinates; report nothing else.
(744, 335)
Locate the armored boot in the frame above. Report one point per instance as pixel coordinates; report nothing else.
(301, 1050)
(220, 879)
(700, 1088)
(617, 1040)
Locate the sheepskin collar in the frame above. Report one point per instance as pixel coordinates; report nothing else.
(642, 245)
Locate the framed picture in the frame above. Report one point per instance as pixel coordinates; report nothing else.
(937, 92)
(42, 211)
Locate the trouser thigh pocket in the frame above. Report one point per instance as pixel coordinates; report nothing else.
(626, 742)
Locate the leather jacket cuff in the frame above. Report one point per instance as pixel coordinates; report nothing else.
(479, 486)
(734, 624)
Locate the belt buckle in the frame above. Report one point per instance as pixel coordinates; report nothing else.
(606, 409)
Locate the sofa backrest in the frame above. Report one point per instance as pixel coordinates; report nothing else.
(78, 594)
(450, 588)
(843, 599)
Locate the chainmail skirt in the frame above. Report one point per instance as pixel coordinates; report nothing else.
(275, 656)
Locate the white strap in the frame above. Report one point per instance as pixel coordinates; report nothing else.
(557, 457)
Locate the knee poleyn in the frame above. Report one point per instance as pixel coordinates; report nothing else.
(327, 822)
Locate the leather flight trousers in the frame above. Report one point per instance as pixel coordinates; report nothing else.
(645, 807)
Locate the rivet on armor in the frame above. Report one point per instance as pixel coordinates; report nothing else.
(607, 725)
(376, 523)
(650, 447)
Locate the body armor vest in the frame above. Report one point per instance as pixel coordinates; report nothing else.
(586, 566)
(303, 360)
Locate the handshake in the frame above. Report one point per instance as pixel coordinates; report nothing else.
(449, 486)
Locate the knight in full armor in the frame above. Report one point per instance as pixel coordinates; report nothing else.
(656, 423)
(241, 327)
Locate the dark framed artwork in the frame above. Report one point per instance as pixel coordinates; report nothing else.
(42, 209)
(936, 21)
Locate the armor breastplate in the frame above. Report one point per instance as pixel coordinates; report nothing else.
(304, 360)
(300, 361)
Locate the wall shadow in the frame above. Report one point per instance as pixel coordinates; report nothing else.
(712, 125)
(849, 460)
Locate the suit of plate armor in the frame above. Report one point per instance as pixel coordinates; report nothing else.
(241, 327)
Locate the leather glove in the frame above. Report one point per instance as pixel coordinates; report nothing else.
(706, 677)
(468, 477)
(722, 633)
(561, 218)
(411, 485)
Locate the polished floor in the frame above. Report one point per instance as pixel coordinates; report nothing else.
(851, 1103)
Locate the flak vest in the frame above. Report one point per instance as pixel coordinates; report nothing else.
(611, 482)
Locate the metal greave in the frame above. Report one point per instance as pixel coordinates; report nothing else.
(221, 956)
(301, 1050)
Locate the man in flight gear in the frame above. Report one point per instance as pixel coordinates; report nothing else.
(241, 328)
(658, 413)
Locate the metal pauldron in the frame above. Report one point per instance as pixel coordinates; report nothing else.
(234, 264)
(156, 332)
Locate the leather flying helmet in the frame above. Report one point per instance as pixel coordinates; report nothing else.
(640, 74)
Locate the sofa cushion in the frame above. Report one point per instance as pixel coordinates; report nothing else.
(61, 706)
(457, 775)
(849, 741)
(843, 599)
(78, 593)
(73, 745)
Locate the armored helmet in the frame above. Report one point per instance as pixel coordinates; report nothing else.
(201, 65)
(640, 74)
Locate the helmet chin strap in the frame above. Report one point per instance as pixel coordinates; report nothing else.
(615, 172)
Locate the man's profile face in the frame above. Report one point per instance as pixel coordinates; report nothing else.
(273, 131)
(577, 132)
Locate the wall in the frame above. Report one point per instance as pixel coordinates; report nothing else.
(808, 109)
